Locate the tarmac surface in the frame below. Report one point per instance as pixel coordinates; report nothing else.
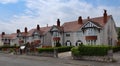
(63, 60)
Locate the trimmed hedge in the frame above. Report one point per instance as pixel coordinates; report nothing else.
(116, 48)
(40, 50)
(59, 49)
(9, 46)
(64, 48)
(90, 50)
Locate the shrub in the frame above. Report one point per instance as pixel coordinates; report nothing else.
(58, 44)
(90, 50)
(116, 48)
(64, 48)
(40, 50)
(9, 46)
(93, 50)
(75, 51)
(59, 49)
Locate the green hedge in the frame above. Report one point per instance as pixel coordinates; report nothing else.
(59, 49)
(40, 50)
(116, 48)
(75, 51)
(90, 50)
(9, 46)
(64, 48)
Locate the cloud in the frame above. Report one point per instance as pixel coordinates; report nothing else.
(45, 12)
(8, 1)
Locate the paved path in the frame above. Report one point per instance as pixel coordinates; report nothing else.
(65, 55)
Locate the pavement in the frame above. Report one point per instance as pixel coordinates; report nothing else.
(63, 60)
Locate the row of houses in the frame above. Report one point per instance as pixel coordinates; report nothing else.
(91, 31)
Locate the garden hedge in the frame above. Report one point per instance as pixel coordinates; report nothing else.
(90, 50)
(59, 49)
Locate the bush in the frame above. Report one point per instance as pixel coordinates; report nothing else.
(40, 50)
(59, 49)
(64, 48)
(9, 47)
(116, 48)
(90, 50)
(75, 51)
(93, 50)
(58, 44)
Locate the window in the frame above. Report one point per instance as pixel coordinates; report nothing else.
(68, 43)
(91, 31)
(67, 35)
(36, 35)
(79, 42)
(91, 42)
(55, 34)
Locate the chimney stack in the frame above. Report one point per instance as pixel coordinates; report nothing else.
(25, 30)
(88, 18)
(105, 16)
(58, 22)
(3, 33)
(80, 20)
(18, 31)
(38, 27)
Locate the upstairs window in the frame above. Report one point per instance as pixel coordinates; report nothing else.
(91, 32)
(67, 35)
(91, 42)
(55, 34)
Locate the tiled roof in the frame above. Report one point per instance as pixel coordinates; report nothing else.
(9, 36)
(43, 30)
(74, 26)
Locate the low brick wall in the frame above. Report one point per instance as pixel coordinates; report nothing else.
(43, 54)
(94, 58)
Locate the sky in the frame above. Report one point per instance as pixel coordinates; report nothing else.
(18, 14)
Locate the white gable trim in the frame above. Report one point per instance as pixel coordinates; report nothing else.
(54, 28)
(90, 24)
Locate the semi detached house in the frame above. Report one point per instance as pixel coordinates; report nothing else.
(91, 31)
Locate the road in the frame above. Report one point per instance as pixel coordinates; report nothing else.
(23, 60)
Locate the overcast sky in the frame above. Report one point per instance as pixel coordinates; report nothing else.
(17, 14)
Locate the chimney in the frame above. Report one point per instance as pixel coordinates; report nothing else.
(58, 22)
(25, 30)
(80, 20)
(88, 18)
(18, 31)
(38, 27)
(105, 16)
(3, 33)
